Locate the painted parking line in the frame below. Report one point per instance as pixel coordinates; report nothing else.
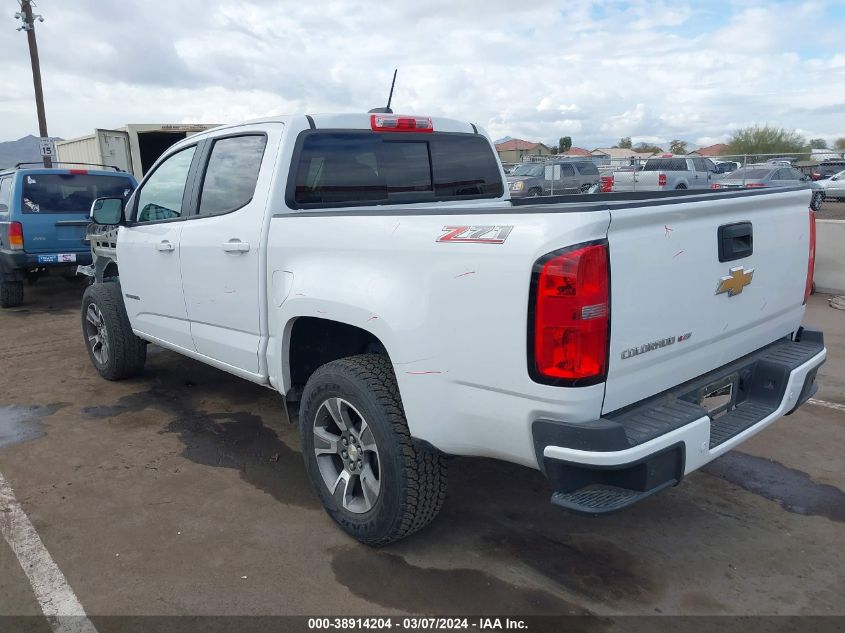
(829, 405)
(57, 600)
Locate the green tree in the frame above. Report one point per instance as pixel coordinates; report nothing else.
(625, 143)
(678, 147)
(564, 144)
(840, 143)
(765, 139)
(818, 143)
(647, 147)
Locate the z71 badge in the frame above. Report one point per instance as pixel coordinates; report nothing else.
(476, 234)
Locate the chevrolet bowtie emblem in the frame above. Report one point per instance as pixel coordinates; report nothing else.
(735, 282)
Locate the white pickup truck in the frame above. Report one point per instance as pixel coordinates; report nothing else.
(372, 268)
(664, 174)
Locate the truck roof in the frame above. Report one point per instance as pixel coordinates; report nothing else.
(348, 121)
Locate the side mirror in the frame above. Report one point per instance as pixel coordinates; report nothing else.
(107, 211)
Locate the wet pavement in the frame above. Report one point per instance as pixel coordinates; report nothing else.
(183, 492)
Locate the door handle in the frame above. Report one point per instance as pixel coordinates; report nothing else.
(735, 241)
(235, 246)
(165, 247)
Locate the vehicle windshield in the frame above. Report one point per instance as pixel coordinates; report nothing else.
(70, 193)
(528, 170)
(750, 173)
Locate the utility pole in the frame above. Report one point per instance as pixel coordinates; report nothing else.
(28, 20)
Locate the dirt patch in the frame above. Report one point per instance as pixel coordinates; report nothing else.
(794, 490)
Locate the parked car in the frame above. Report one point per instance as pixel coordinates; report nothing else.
(763, 175)
(661, 174)
(374, 270)
(770, 174)
(553, 177)
(834, 187)
(783, 161)
(43, 215)
(826, 169)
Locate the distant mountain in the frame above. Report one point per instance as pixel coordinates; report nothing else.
(504, 139)
(24, 150)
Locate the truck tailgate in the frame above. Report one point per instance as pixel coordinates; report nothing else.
(668, 322)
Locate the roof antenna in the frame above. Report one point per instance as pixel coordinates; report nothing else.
(387, 110)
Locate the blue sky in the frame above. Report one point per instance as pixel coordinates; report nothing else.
(594, 70)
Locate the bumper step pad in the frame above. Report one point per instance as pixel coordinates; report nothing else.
(602, 498)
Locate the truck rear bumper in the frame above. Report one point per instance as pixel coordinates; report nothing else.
(633, 453)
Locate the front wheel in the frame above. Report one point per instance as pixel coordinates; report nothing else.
(817, 200)
(114, 350)
(373, 478)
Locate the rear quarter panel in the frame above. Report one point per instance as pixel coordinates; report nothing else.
(452, 316)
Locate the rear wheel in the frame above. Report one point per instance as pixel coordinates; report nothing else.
(11, 294)
(681, 186)
(376, 482)
(817, 200)
(112, 347)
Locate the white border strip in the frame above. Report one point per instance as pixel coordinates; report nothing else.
(58, 602)
(829, 405)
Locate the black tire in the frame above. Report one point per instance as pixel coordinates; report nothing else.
(412, 476)
(817, 200)
(535, 193)
(125, 353)
(680, 186)
(11, 294)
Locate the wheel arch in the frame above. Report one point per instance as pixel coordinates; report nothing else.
(311, 342)
(105, 269)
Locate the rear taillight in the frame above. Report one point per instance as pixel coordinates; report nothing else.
(811, 259)
(715, 185)
(661, 180)
(569, 316)
(754, 185)
(401, 123)
(607, 184)
(15, 236)
(78, 172)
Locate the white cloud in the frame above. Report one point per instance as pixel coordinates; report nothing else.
(595, 70)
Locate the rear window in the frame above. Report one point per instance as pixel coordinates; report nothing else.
(829, 170)
(666, 164)
(588, 169)
(751, 173)
(353, 168)
(70, 193)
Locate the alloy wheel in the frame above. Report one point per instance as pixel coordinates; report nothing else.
(347, 455)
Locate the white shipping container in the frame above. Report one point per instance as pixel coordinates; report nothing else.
(133, 148)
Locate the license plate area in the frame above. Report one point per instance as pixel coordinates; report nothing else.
(719, 397)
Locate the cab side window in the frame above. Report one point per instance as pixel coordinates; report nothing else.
(161, 196)
(231, 174)
(5, 194)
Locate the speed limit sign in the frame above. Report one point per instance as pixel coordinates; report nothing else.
(48, 147)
